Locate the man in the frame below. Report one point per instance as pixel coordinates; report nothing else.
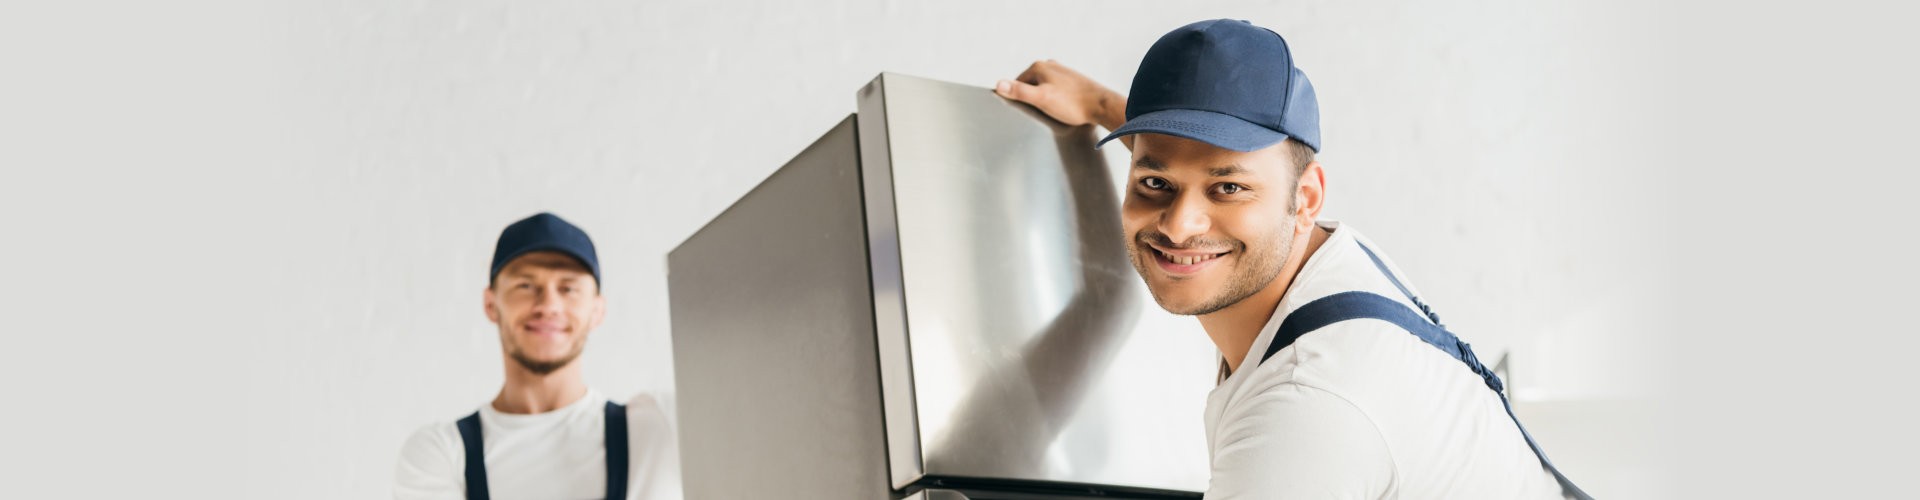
(546, 434)
(1336, 382)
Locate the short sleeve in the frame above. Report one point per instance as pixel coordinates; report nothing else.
(655, 451)
(1296, 441)
(431, 467)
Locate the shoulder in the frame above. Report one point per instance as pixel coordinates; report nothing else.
(432, 440)
(647, 410)
(648, 423)
(430, 463)
(1373, 365)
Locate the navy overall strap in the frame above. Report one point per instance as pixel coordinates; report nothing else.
(1424, 324)
(476, 459)
(616, 443)
(616, 451)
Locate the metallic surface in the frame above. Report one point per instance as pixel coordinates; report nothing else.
(889, 306)
(1024, 342)
(942, 495)
(936, 296)
(774, 363)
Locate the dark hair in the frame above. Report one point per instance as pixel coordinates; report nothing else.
(1302, 156)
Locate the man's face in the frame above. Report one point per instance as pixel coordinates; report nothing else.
(545, 304)
(1208, 226)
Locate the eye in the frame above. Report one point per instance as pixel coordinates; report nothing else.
(523, 286)
(1154, 183)
(1230, 188)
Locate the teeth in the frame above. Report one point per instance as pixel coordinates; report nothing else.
(1187, 260)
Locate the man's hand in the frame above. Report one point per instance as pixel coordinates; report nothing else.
(1066, 95)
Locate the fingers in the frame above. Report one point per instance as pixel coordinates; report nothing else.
(1034, 73)
(1026, 87)
(1053, 89)
(1019, 91)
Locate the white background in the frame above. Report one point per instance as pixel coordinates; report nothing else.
(248, 239)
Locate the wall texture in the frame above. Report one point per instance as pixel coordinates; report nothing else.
(294, 202)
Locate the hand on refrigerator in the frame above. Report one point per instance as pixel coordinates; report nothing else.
(1066, 95)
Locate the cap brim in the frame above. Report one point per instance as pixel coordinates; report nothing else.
(1219, 129)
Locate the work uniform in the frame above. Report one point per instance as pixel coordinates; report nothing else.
(1362, 408)
(560, 454)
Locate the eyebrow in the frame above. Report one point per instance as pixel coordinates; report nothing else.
(1227, 170)
(1221, 171)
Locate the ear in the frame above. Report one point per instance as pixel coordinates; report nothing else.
(488, 302)
(1310, 195)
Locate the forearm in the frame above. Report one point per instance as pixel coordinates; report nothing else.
(1111, 111)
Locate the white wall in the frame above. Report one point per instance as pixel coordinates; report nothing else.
(256, 232)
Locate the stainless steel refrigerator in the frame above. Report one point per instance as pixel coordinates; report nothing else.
(932, 301)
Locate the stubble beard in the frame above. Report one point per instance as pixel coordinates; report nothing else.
(545, 366)
(1250, 273)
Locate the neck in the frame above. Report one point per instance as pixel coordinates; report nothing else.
(1234, 328)
(526, 392)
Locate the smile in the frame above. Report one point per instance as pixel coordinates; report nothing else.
(1185, 262)
(1188, 260)
(545, 329)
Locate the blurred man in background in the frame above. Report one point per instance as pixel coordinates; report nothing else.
(546, 434)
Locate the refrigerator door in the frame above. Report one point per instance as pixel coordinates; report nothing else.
(778, 394)
(1016, 342)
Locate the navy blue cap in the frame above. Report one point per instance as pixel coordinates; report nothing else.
(544, 232)
(1223, 82)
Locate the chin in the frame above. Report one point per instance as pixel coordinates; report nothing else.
(555, 361)
(1177, 301)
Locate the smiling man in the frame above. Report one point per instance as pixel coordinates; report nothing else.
(546, 434)
(1335, 381)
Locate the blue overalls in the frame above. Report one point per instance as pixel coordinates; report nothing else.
(1345, 306)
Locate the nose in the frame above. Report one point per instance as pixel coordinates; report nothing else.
(547, 302)
(1186, 218)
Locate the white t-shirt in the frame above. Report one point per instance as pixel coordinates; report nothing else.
(1361, 409)
(560, 454)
